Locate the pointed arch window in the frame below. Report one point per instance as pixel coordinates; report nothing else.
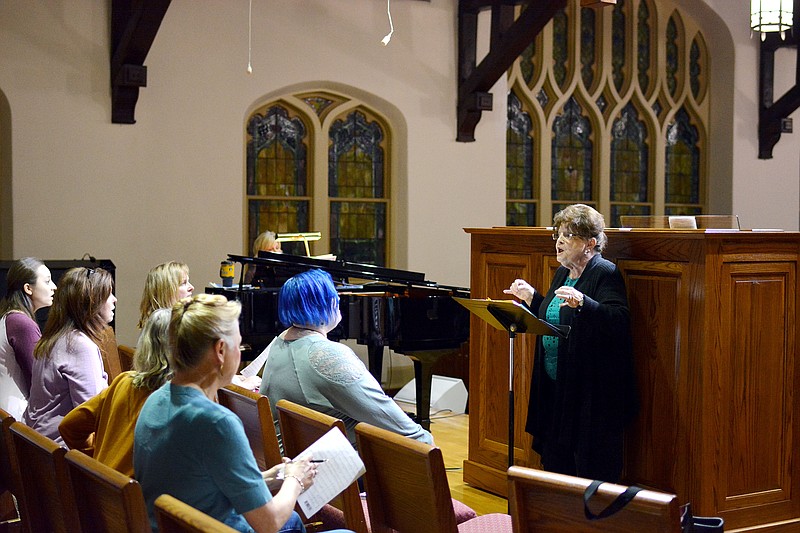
(630, 155)
(572, 157)
(521, 207)
(620, 112)
(277, 172)
(682, 190)
(356, 188)
(320, 162)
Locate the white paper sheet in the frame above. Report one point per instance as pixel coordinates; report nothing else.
(341, 468)
(258, 363)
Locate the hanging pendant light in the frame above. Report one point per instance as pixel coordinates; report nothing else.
(770, 16)
(597, 3)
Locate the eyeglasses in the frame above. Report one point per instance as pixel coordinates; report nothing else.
(89, 272)
(565, 236)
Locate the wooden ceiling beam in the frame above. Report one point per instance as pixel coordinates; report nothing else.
(508, 40)
(134, 25)
(773, 116)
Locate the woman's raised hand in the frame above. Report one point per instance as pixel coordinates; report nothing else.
(522, 290)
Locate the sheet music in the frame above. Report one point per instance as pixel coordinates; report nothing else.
(341, 468)
(501, 313)
(258, 363)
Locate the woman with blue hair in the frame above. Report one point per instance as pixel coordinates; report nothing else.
(308, 369)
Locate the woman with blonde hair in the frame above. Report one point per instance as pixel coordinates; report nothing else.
(103, 426)
(196, 450)
(29, 287)
(266, 241)
(67, 366)
(165, 284)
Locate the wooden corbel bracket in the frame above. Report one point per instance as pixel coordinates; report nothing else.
(134, 25)
(773, 116)
(508, 40)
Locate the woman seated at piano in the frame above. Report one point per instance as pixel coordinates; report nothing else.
(166, 284)
(265, 242)
(308, 369)
(187, 445)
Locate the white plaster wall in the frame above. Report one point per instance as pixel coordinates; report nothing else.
(766, 193)
(170, 187)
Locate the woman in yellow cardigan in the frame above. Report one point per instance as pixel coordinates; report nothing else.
(103, 426)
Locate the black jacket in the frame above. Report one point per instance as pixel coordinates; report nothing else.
(595, 387)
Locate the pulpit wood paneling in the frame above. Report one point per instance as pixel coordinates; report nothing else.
(714, 323)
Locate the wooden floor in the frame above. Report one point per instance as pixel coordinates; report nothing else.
(451, 435)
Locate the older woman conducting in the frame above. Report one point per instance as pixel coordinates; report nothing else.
(307, 368)
(583, 390)
(192, 448)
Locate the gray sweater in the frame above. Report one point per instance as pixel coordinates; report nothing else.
(328, 377)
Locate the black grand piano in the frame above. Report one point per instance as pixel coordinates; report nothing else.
(380, 307)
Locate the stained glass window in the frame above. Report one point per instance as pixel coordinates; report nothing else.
(673, 56)
(572, 155)
(695, 68)
(318, 103)
(643, 47)
(619, 35)
(587, 46)
(560, 46)
(528, 62)
(682, 162)
(629, 165)
(358, 231)
(520, 207)
(356, 170)
(598, 102)
(346, 198)
(277, 177)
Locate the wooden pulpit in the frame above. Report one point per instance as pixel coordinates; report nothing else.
(714, 323)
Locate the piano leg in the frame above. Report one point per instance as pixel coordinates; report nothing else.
(423, 381)
(375, 361)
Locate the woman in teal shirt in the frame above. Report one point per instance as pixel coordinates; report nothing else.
(583, 388)
(189, 446)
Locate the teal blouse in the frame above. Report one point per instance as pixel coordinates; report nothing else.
(550, 342)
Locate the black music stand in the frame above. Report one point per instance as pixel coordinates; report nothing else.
(513, 317)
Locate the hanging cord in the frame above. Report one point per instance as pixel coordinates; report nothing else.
(388, 36)
(250, 38)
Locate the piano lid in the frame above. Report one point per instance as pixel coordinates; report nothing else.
(336, 268)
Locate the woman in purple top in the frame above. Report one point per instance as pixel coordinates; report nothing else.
(67, 365)
(29, 287)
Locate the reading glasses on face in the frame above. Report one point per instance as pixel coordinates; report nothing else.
(565, 236)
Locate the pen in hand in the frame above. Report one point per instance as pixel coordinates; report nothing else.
(280, 473)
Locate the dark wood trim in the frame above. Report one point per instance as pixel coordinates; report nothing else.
(134, 25)
(771, 114)
(508, 40)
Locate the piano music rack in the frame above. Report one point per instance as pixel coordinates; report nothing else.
(305, 237)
